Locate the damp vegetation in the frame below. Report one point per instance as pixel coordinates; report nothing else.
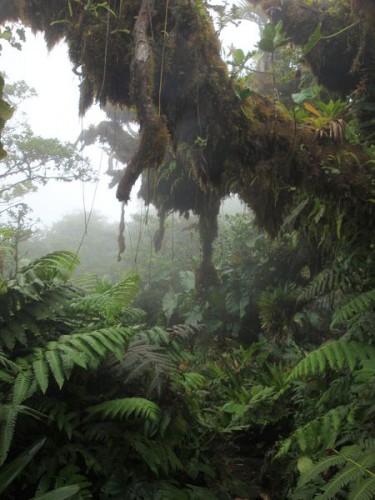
(163, 60)
(244, 369)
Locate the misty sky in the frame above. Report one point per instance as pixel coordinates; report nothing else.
(54, 113)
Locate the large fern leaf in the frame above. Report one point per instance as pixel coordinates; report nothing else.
(127, 408)
(58, 264)
(110, 302)
(158, 456)
(8, 419)
(334, 355)
(363, 490)
(353, 467)
(321, 433)
(87, 350)
(354, 308)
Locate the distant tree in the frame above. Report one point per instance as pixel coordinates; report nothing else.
(30, 161)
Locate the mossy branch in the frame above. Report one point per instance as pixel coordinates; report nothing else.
(154, 134)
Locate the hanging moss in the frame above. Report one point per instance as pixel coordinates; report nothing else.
(151, 153)
(167, 65)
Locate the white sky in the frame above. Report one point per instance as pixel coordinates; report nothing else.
(54, 113)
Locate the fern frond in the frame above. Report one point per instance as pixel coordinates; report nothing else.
(21, 387)
(41, 372)
(87, 350)
(192, 381)
(158, 456)
(359, 305)
(58, 264)
(363, 490)
(335, 355)
(8, 419)
(110, 302)
(185, 332)
(358, 466)
(337, 393)
(339, 481)
(355, 465)
(327, 281)
(366, 373)
(142, 359)
(53, 358)
(13, 469)
(319, 467)
(127, 408)
(319, 434)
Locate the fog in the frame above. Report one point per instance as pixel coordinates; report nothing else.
(54, 113)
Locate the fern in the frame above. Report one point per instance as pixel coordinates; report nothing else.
(327, 281)
(363, 490)
(145, 364)
(8, 419)
(56, 265)
(110, 302)
(319, 434)
(356, 307)
(37, 292)
(158, 456)
(87, 350)
(356, 469)
(127, 408)
(66, 418)
(320, 467)
(9, 473)
(338, 392)
(21, 387)
(192, 381)
(336, 355)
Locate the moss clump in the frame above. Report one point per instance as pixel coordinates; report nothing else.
(150, 154)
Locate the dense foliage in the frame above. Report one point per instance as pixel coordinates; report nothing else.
(249, 374)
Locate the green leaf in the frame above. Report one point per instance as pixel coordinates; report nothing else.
(126, 408)
(6, 35)
(10, 472)
(313, 40)
(304, 464)
(169, 304)
(306, 95)
(266, 45)
(59, 493)
(269, 32)
(55, 364)
(41, 373)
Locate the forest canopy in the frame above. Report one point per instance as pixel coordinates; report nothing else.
(249, 374)
(162, 59)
